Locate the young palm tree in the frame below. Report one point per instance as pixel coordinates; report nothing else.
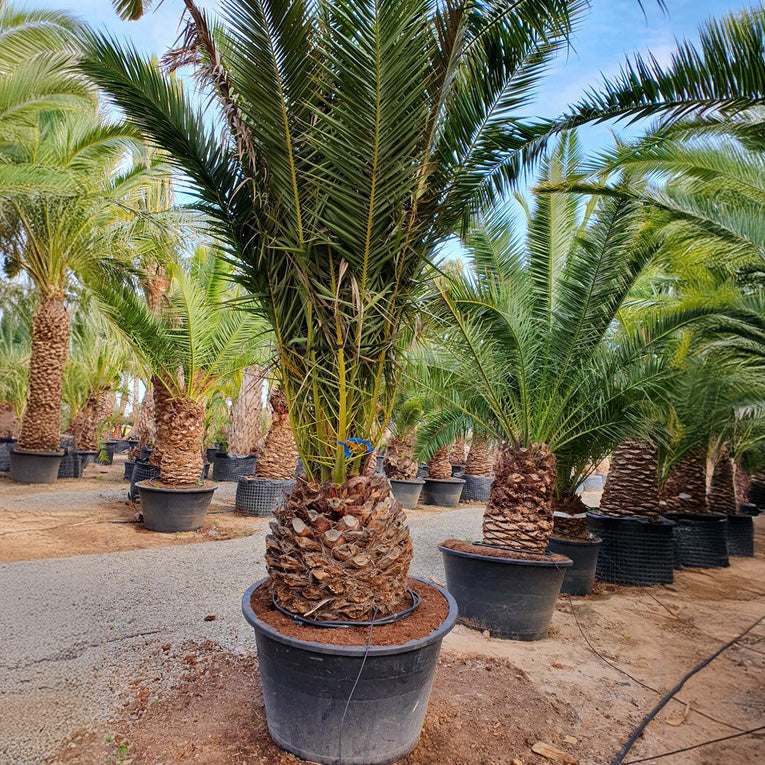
(632, 487)
(356, 138)
(15, 344)
(245, 434)
(399, 462)
(278, 459)
(480, 459)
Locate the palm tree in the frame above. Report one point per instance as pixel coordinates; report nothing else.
(278, 459)
(399, 462)
(189, 345)
(245, 434)
(16, 310)
(356, 137)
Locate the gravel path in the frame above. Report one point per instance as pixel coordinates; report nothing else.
(74, 629)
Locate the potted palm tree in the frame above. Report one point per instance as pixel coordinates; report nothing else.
(399, 464)
(189, 344)
(479, 469)
(440, 487)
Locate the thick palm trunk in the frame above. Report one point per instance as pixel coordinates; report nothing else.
(439, 465)
(135, 406)
(246, 431)
(685, 490)
(741, 481)
(84, 424)
(180, 431)
(519, 511)
(41, 423)
(632, 485)
(457, 452)
(8, 420)
(340, 552)
(722, 492)
(399, 462)
(278, 459)
(146, 426)
(480, 459)
(119, 425)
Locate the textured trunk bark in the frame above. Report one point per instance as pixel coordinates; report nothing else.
(632, 485)
(457, 452)
(119, 425)
(278, 459)
(135, 406)
(439, 465)
(519, 511)
(160, 419)
(180, 431)
(340, 552)
(480, 460)
(398, 462)
(741, 481)
(8, 420)
(246, 430)
(722, 492)
(41, 423)
(685, 490)
(146, 426)
(84, 424)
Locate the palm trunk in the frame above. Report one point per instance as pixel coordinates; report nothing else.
(135, 405)
(457, 453)
(439, 465)
(8, 420)
(279, 457)
(146, 426)
(41, 423)
(741, 481)
(180, 431)
(685, 490)
(399, 462)
(246, 430)
(119, 425)
(479, 459)
(519, 511)
(722, 492)
(84, 424)
(632, 485)
(340, 552)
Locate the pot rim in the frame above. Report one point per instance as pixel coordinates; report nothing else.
(352, 650)
(166, 490)
(27, 452)
(445, 480)
(660, 521)
(263, 478)
(418, 481)
(512, 561)
(580, 542)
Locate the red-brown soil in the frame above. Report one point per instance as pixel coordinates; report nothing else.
(500, 552)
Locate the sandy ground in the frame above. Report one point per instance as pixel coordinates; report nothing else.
(109, 658)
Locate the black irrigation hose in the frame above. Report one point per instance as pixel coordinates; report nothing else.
(619, 759)
(696, 746)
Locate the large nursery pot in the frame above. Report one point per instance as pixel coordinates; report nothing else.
(88, 457)
(122, 445)
(141, 472)
(511, 598)
(407, 492)
(580, 577)
(700, 539)
(71, 464)
(740, 535)
(476, 488)
(6, 444)
(129, 465)
(35, 467)
(346, 704)
(169, 510)
(106, 452)
(635, 551)
(748, 508)
(231, 467)
(757, 492)
(261, 496)
(444, 492)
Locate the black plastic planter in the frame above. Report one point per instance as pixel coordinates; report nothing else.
(512, 599)
(169, 510)
(141, 472)
(261, 496)
(740, 532)
(231, 467)
(88, 457)
(476, 488)
(700, 540)
(6, 444)
(129, 465)
(71, 464)
(35, 467)
(146, 452)
(210, 453)
(748, 508)
(635, 551)
(444, 492)
(406, 492)
(757, 492)
(122, 445)
(457, 471)
(106, 452)
(578, 579)
(345, 705)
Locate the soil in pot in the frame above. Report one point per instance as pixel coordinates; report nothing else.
(355, 696)
(444, 492)
(170, 509)
(407, 492)
(509, 593)
(35, 467)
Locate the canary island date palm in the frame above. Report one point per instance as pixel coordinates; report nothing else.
(535, 344)
(16, 309)
(191, 343)
(355, 138)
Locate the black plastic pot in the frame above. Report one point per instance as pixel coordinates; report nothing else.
(345, 705)
(88, 457)
(106, 452)
(71, 464)
(146, 452)
(261, 496)
(129, 465)
(122, 445)
(457, 471)
(444, 492)
(700, 539)
(748, 508)
(740, 533)
(406, 492)
(635, 551)
(35, 467)
(231, 467)
(512, 599)
(170, 510)
(210, 454)
(757, 492)
(580, 577)
(6, 444)
(141, 472)
(476, 488)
